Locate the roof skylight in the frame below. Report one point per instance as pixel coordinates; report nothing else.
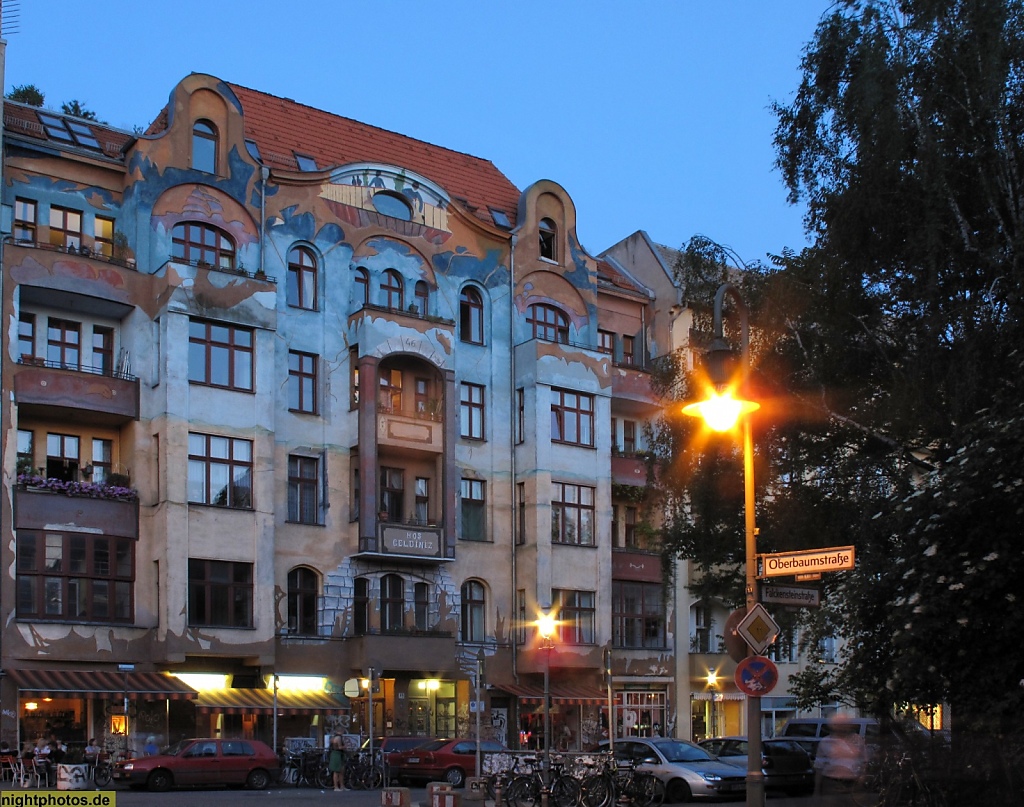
(68, 131)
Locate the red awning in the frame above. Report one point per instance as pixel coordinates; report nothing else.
(146, 686)
(560, 693)
(261, 702)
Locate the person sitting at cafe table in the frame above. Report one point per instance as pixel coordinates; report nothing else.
(41, 755)
(92, 751)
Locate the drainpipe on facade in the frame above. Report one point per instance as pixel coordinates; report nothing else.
(264, 175)
(512, 440)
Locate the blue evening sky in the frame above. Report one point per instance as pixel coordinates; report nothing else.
(652, 115)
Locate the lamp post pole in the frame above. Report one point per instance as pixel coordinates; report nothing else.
(546, 628)
(721, 413)
(125, 669)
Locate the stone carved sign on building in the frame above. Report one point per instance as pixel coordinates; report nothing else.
(401, 540)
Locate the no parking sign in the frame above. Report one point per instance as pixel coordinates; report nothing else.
(757, 675)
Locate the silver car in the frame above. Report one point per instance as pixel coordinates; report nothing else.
(687, 770)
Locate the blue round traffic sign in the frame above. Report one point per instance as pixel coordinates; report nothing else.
(757, 675)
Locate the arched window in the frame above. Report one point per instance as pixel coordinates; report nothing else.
(303, 589)
(301, 290)
(394, 293)
(422, 296)
(471, 316)
(473, 611)
(392, 603)
(362, 288)
(548, 323)
(204, 147)
(361, 607)
(202, 244)
(548, 239)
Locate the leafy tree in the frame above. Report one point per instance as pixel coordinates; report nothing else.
(26, 94)
(76, 108)
(887, 359)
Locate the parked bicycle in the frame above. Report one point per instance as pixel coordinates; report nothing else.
(618, 782)
(306, 768)
(525, 789)
(363, 772)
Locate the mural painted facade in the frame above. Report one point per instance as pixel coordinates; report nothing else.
(335, 401)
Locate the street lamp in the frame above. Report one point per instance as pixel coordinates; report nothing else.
(546, 628)
(721, 411)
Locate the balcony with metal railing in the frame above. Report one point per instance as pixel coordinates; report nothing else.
(91, 394)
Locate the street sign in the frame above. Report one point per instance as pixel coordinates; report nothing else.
(807, 578)
(835, 559)
(758, 629)
(756, 675)
(790, 595)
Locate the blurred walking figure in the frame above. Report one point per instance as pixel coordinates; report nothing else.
(841, 757)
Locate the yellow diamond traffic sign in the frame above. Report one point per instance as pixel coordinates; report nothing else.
(758, 629)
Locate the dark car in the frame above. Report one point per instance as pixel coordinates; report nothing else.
(687, 770)
(447, 760)
(785, 764)
(203, 762)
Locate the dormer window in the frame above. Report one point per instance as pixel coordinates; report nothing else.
(204, 147)
(393, 205)
(548, 244)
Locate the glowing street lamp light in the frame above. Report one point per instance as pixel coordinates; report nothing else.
(546, 625)
(720, 412)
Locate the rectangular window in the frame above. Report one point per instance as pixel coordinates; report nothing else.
(472, 405)
(629, 436)
(25, 220)
(576, 616)
(354, 506)
(220, 470)
(65, 227)
(392, 494)
(353, 382)
(638, 614)
(220, 355)
(628, 356)
(421, 605)
(103, 238)
(103, 350)
(616, 530)
(75, 576)
(27, 336)
(521, 622)
(473, 510)
(572, 417)
(421, 507)
(302, 382)
(572, 514)
(64, 343)
(605, 341)
(304, 489)
(520, 415)
(219, 593)
(102, 460)
(62, 456)
(629, 529)
(521, 512)
(26, 452)
(390, 399)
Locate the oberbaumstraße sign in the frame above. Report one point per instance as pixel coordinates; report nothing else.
(835, 559)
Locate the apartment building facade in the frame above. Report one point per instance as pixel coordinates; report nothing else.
(292, 405)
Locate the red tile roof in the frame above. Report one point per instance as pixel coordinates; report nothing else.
(280, 127)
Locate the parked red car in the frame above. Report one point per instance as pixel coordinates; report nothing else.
(442, 760)
(203, 762)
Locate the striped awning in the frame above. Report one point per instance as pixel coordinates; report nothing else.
(261, 702)
(560, 693)
(146, 686)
